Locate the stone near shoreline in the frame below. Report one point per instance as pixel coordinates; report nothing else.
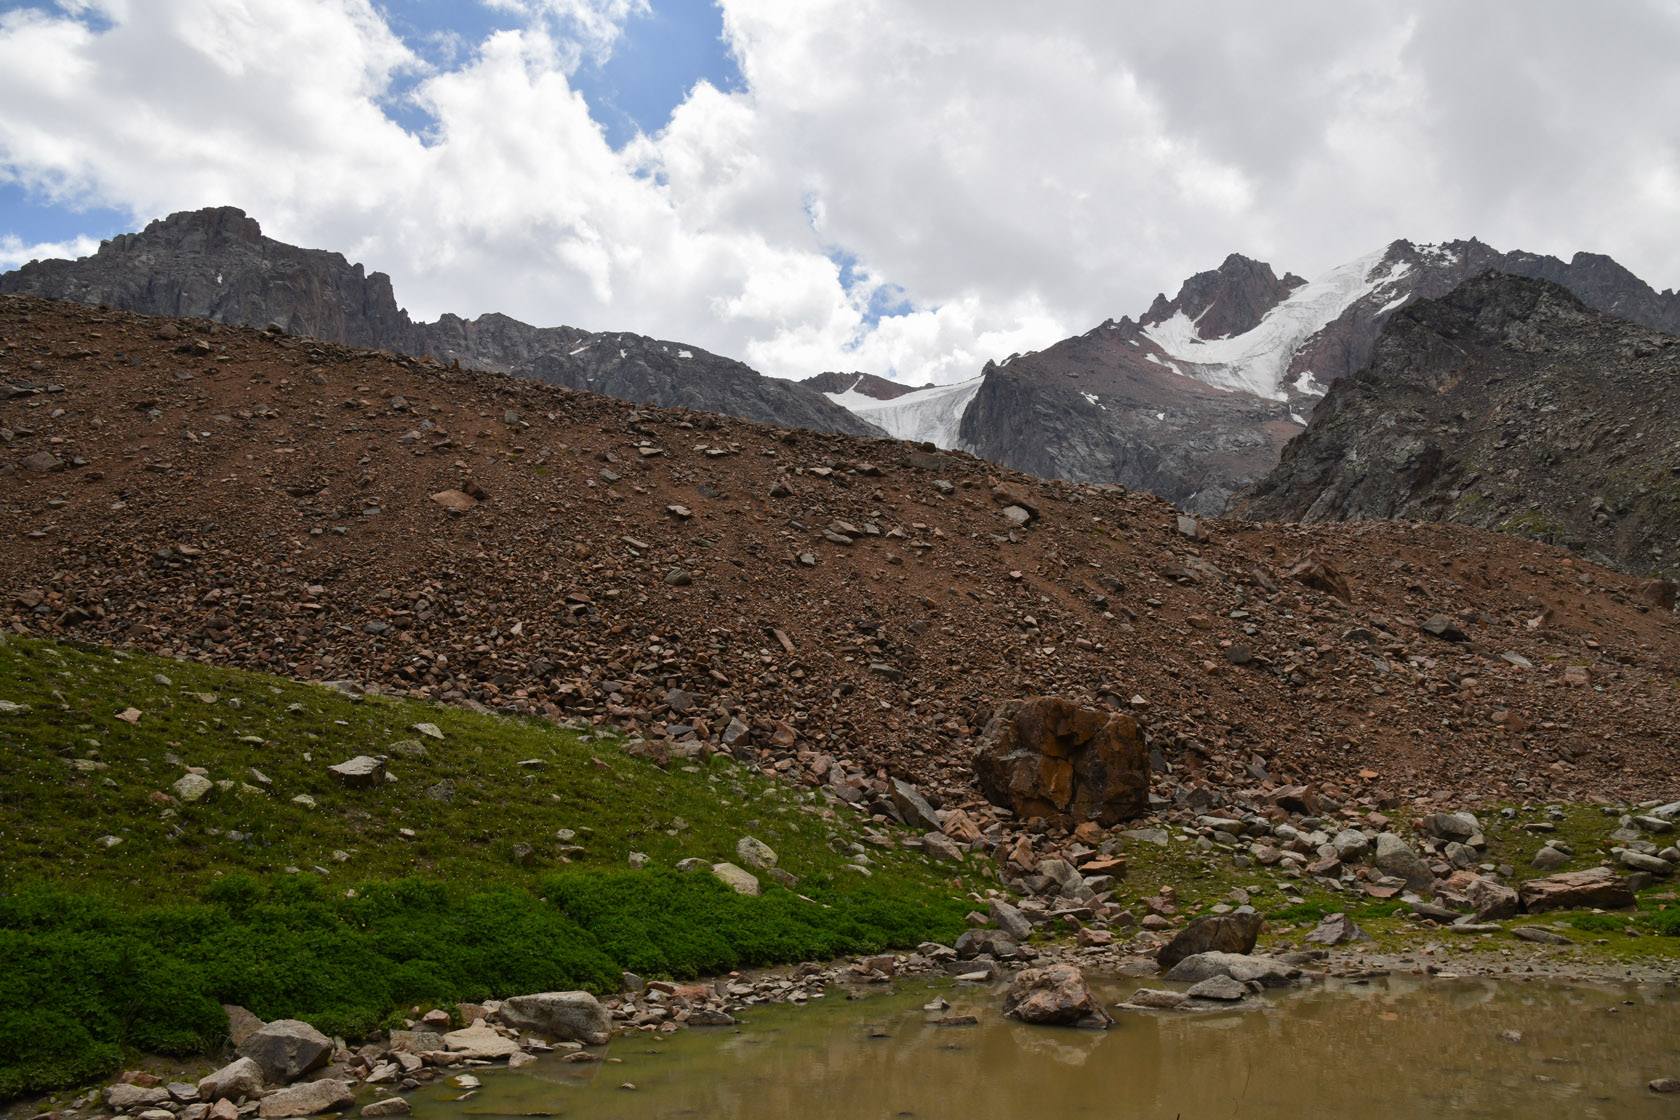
(566, 1016)
(1222, 933)
(286, 1049)
(242, 1078)
(306, 1099)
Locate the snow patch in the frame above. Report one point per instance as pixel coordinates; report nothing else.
(579, 350)
(930, 415)
(1257, 360)
(1298, 418)
(1158, 360)
(1393, 303)
(685, 353)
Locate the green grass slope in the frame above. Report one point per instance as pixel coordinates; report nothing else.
(496, 862)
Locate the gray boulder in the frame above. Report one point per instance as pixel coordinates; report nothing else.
(755, 853)
(913, 807)
(1221, 988)
(1057, 994)
(1213, 933)
(307, 1099)
(1010, 920)
(241, 1078)
(1549, 858)
(1396, 857)
(566, 1016)
(737, 879)
(286, 1049)
(1238, 966)
(1351, 845)
(1493, 900)
(1337, 929)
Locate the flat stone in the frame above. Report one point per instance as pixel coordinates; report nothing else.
(1237, 966)
(392, 1106)
(306, 1099)
(1162, 999)
(1596, 887)
(479, 1042)
(1221, 988)
(126, 1098)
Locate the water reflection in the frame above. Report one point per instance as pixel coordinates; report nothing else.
(1394, 1048)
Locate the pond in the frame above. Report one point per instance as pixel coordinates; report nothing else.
(1388, 1047)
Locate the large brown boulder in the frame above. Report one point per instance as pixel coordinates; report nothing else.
(1595, 888)
(1050, 758)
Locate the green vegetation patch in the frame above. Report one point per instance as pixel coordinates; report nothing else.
(495, 863)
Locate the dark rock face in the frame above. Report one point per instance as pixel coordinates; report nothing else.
(1506, 404)
(216, 264)
(1228, 300)
(866, 383)
(1047, 757)
(1148, 428)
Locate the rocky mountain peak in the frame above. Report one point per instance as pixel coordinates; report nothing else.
(1227, 300)
(864, 384)
(1507, 403)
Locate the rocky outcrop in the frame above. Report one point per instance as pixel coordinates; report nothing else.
(1227, 300)
(1047, 757)
(216, 264)
(1507, 404)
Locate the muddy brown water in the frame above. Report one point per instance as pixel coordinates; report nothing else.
(1394, 1047)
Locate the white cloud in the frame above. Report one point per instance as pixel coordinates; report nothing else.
(1020, 172)
(13, 252)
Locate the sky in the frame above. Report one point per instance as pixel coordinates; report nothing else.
(905, 187)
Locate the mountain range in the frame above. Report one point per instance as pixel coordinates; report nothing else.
(1194, 400)
(217, 264)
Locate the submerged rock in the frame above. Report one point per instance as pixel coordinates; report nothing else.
(1272, 973)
